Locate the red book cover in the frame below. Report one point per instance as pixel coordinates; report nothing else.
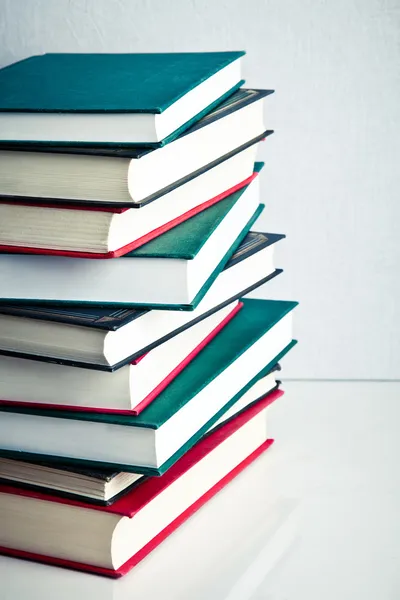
(135, 243)
(153, 394)
(130, 504)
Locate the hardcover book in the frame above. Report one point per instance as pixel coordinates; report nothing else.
(112, 98)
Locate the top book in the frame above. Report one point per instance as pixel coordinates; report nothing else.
(132, 99)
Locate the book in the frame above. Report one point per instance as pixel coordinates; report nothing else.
(201, 549)
(132, 176)
(95, 486)
(127, 390)
(149, 443)
(105, 486)
(111, 98)
(107, 339)
(83, 230)
(174, 270)
(117, 537)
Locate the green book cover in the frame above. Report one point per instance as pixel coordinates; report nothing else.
(187, 239)
(206, 286)
(98, 83)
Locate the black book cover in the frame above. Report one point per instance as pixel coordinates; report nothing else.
(236, 101)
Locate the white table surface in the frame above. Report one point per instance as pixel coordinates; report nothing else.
(316, 518)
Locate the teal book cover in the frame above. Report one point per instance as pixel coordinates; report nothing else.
(97, 83)
(187, 239)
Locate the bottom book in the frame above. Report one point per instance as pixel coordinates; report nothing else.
(207, 559)
(111, 540)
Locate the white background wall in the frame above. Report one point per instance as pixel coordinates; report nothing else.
(331, 181)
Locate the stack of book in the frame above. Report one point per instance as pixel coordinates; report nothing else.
(134, 379)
